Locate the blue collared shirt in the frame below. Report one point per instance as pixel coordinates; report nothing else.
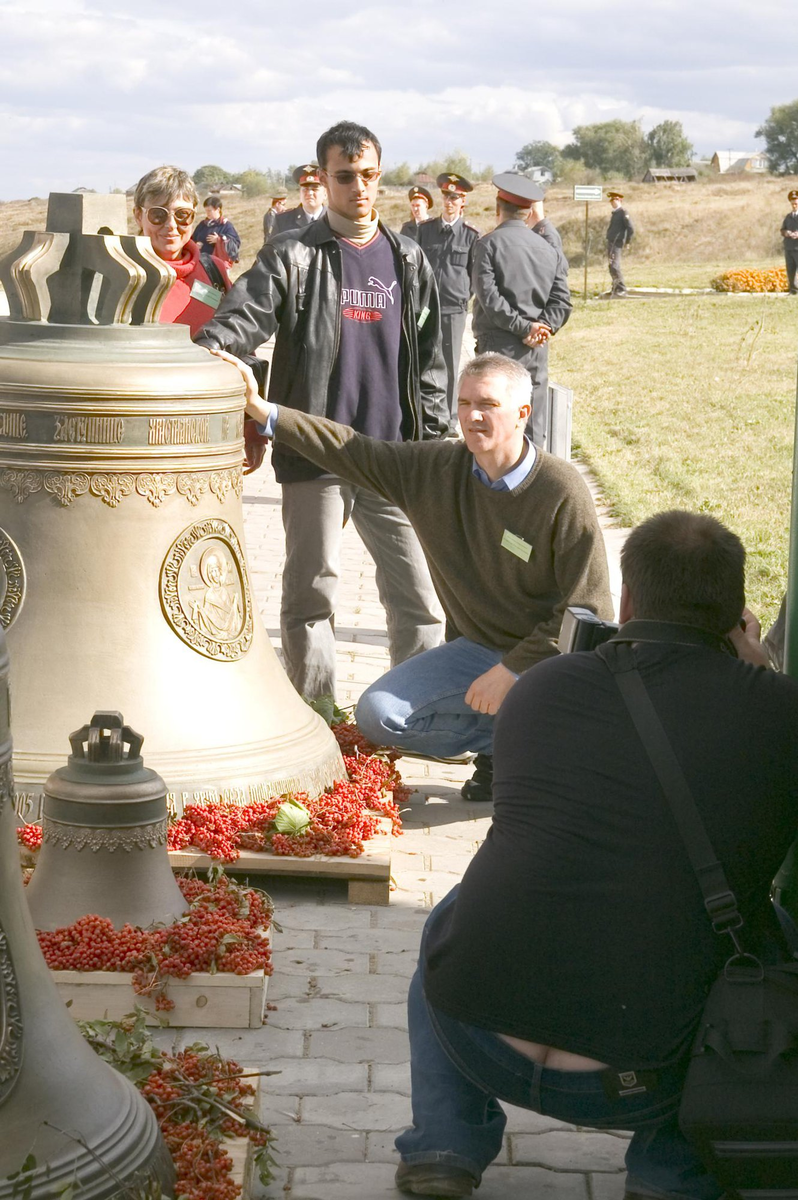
(506, 484)
(513, 478)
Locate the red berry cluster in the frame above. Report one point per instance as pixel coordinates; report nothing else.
(30, 836)
(202, 1164)
(223, 930)
(342, 818)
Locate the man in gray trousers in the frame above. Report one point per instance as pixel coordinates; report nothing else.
(356, 316)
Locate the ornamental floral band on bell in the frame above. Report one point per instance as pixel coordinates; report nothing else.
(205, 592)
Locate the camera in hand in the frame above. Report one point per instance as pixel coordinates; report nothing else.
(581, 629)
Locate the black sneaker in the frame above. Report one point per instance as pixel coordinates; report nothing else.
(434, 1179)
(480, 786)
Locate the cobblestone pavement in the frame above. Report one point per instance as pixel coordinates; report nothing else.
(338, 1034)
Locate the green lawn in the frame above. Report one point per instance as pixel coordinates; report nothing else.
(689, 403)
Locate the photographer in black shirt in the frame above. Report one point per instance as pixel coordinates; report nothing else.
(568, 971)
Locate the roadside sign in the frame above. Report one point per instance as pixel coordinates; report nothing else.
(587, 192)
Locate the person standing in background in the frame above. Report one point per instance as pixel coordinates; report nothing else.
(449, 243)
(789, 231)
(620, 232)
(420, 205)
(216, 235)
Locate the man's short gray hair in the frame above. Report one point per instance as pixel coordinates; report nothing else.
(165, 183)
(519, 381)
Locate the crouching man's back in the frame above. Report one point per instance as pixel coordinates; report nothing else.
(569, 970)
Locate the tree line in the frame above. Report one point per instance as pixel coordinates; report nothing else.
(607, 148)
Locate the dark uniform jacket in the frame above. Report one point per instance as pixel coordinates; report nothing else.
(410, 229)
(620, 230)
(549, 233)
(518, 278)
(293, 289)
(269, 218)
(790, 222)
(294, 219)
(450, 249)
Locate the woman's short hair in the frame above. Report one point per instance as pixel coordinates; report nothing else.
(165, 183)
(212, 202)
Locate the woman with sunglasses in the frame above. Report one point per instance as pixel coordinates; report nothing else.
(164, 207)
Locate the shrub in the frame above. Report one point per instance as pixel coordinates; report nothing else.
(771, 279)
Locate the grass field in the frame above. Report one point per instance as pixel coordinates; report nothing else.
(689, 403)
(684, 402)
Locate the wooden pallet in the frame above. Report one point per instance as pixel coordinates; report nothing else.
(201, 1001)
(240, 1149)
(368, 877)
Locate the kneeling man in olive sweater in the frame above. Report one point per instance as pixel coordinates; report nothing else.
(511, 537)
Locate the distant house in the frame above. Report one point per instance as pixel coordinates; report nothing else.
(754, 163)
(737, 162)
(670, 175)
(538, 174)
(421, 177)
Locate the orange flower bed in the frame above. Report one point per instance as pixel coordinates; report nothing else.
(773, 279)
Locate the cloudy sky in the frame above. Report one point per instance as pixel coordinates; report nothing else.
(95, 92)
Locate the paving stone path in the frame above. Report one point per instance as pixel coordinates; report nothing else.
(338, 1032)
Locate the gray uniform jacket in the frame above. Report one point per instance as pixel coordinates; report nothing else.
(518, 278)
(450, 249)
(293, 290)
(294, 219)
(550, 233)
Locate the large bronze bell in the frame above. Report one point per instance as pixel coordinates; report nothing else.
(123, 574)
(104, 835)
(59, 1101)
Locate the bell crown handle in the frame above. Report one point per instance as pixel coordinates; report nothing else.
(105, 738)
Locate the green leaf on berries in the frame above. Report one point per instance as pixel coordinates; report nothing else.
(292, 818)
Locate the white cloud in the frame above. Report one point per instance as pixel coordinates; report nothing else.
(97, 94)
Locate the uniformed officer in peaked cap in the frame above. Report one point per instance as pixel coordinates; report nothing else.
(789, 231)
(420, 205)
(449, 242)
(620, 232)
(521, 295)
(312, 197)
(270, 216)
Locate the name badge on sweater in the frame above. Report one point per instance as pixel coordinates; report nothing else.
(516, 545)
(206, 294)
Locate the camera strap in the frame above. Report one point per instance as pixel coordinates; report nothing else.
(719, 900)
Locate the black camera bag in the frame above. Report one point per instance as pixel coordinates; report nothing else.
(739, 1106)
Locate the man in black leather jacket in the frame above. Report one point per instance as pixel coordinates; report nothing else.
(356, 315)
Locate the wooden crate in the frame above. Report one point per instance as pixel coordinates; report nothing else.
(241, 1149)
(368, 877)
(202, 1000)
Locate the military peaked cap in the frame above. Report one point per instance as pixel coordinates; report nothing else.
(793, 195)
(515, 188)
(451, 184)
(416, 192)
(615, 195)
(307, 176)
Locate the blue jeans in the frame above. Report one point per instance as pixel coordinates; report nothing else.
(420, 704)
(459, 1073)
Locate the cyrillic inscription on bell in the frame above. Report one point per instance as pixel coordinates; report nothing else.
(123, 573)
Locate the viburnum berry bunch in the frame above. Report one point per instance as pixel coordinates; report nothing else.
(341, 819)
(199, 1099)
(223, 930)
(30, 836)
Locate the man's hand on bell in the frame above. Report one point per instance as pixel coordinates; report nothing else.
(256, 406)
